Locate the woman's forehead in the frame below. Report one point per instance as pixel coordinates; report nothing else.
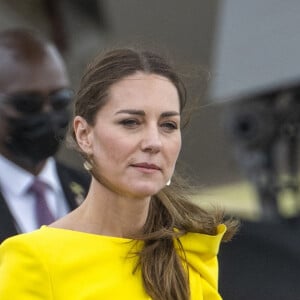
(140, 83)
(143, 89)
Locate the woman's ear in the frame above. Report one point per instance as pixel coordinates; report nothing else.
(83, 134)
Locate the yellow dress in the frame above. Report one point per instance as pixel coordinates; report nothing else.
(60, 264)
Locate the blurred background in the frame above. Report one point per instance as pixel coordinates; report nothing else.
(224, 49)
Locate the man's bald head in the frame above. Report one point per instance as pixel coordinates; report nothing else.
(26, 54)
(23, 45)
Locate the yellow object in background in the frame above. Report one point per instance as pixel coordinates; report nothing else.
(240, 199)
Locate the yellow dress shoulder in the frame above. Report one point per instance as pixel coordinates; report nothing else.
(60, 264)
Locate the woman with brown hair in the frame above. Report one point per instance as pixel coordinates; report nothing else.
(136, 235)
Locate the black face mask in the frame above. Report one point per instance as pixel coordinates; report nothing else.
(36, 137)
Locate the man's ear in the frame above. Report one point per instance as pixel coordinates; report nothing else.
(83, 134)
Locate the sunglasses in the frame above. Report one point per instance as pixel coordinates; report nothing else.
(33, 102)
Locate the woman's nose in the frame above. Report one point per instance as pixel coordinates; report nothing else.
(151, 140)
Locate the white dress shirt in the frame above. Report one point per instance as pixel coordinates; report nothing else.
(14, 185)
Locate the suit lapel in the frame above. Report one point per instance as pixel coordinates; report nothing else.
(73, 190)
(7, 223)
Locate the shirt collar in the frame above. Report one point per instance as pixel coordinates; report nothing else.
(17, 180)
(49, 175)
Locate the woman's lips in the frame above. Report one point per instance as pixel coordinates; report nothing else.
(146, 167)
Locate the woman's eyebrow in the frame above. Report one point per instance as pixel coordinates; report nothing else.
(142, 113)
(170, 114)
(131, 112)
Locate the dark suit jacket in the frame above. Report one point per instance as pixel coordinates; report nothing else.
(262, 262)
(75, 185)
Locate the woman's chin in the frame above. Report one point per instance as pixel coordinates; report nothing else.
(146, 190)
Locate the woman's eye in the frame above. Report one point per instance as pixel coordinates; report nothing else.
(170, 125)
(130, 122)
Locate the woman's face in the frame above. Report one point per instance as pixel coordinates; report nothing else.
(136, 139)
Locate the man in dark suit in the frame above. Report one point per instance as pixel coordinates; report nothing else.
(34, 114)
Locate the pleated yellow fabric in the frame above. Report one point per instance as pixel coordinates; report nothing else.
(60, 264)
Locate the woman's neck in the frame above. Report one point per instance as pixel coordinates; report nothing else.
(107, 213)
